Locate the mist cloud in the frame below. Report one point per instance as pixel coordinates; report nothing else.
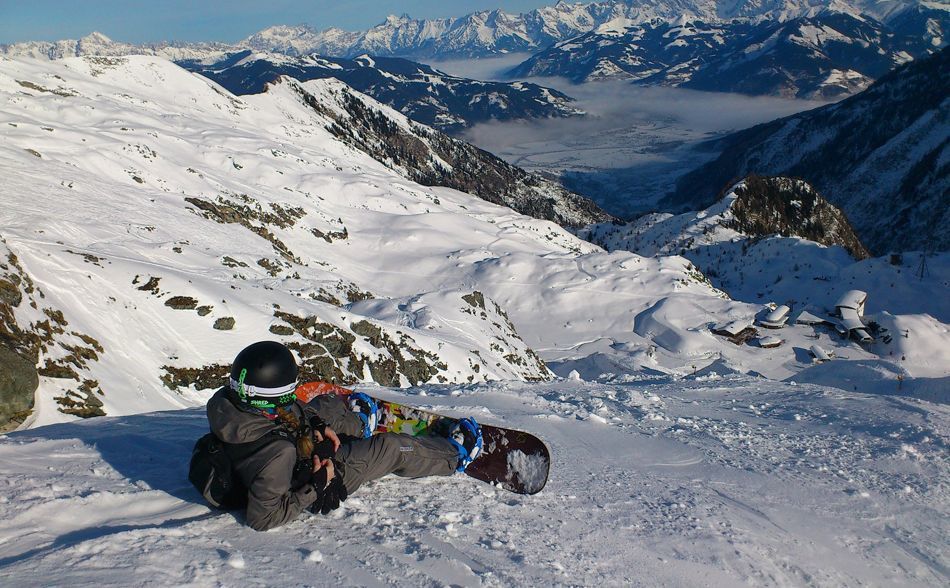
(621, 100)
(485, 69)
(613, 106)
(632, 144)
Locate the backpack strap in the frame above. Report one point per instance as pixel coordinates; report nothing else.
(241, 451)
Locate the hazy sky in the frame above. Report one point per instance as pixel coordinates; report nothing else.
(139, 21)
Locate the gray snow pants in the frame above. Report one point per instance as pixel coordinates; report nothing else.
(382, 454)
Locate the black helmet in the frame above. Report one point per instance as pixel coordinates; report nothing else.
(264, 375)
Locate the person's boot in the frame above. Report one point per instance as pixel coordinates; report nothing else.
(366, 408)
(466, 435)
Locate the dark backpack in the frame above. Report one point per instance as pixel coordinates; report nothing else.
(212, 468)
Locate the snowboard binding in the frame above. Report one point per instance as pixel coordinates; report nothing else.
(367, 410)
(466, 435)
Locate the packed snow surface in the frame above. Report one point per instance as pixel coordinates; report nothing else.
(714, 480)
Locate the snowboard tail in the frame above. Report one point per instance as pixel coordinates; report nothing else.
(514, 460)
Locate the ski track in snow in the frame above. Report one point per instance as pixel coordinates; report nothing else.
(664, 482)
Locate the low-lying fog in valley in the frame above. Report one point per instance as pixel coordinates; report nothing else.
(633, 143)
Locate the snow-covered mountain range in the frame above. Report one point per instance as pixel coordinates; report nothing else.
(141, 198)
(446, 102)
(881, 156)
(496, 31)
(807, 49)
(824, 55)
(98, 44)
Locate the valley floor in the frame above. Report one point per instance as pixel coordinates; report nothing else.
(634, 143)
(686, 482)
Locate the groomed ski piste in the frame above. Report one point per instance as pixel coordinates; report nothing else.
(673, 463)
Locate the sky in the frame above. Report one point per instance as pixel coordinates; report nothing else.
(145, 21)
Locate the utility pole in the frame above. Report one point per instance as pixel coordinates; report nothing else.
(922, 267)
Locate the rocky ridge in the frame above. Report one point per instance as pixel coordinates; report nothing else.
(36, 340)
(791, 208)
(432, 158)
(778, 225)
(880, 156)
(446, 102)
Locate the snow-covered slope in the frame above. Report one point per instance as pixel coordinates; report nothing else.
(881, 156)
(171, 223)
(762, 254)
(446, 102)
(432, 158)
(721, 481)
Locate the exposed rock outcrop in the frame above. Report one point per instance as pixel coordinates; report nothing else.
(18, 382)
(791, 208)
(33, 333)
(881, 156)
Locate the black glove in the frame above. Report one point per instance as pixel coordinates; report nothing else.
(302, 474)
(333, 495)
(319, 425)
(324, 449)
(318, 481)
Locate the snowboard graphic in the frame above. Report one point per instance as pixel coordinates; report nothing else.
(513, 460)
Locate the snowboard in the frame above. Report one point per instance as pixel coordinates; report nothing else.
(514, 460)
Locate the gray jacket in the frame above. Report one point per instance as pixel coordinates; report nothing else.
(267, 472)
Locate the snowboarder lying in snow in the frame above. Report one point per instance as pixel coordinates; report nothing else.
(292, 456)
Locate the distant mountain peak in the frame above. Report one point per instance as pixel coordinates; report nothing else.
(96, 37)
(392, 19)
